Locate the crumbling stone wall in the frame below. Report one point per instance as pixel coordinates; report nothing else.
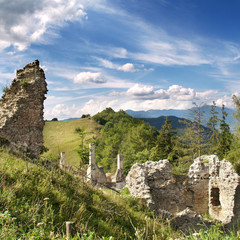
(118, 177)
(224, 192)
(95, 174)
(198, 183)
(21, 109)
(211, 186)
(154, 182)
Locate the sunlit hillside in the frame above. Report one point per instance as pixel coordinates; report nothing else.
(60, 136)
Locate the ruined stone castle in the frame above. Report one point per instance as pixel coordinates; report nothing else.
(21, 109)
(211, 186)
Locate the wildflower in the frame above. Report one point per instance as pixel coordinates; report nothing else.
(40, 224)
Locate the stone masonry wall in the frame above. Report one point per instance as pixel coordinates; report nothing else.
(21, 109)
(198, 182)
(154, 182)
(211, 186)
(224, 192)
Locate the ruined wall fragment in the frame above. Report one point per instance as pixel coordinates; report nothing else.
(95, 174)
(211, 186)
(198, 183)
(154, 182)
(224, 192)
(21, 109)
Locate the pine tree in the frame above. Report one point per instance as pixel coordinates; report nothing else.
(83, 151)
(194, 137)
(236, 101)
(234, 153)
(165, 142)
(212, 125)
(225, 138)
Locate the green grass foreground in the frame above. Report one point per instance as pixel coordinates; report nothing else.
(37, 199)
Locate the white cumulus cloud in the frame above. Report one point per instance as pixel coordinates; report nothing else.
(173, 92)
(140, 90)
(128, 67)
(89, 77)
(181, 93)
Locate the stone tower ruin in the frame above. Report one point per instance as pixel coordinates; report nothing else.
(21, 109)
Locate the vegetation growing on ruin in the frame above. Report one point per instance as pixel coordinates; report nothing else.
(6, 89)
(24, 82)
(38, 198)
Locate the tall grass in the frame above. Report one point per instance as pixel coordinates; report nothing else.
(37, 199)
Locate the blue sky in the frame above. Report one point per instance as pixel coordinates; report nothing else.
(124, 54)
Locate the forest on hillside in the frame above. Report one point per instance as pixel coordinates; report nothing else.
(140, 142)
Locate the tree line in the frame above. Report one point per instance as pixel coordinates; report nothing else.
(140, 142)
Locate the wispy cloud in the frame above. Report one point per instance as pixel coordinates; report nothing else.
(171, 52)
(127, 67)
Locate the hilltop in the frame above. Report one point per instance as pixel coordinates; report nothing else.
(112, 132)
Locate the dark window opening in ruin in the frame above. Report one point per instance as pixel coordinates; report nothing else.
(215, 197)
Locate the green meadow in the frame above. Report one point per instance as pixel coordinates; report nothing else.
(60, 136)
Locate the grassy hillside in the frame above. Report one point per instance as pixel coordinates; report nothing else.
(37, 199)
(60, 136)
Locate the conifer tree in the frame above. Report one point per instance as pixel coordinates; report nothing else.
(194, 139)
(83, 151)
(225, 138)
(234, 153)
(212, 125)
(165, 142)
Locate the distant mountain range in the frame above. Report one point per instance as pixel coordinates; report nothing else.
(155, 114)
(156, 118)
(160, 121)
